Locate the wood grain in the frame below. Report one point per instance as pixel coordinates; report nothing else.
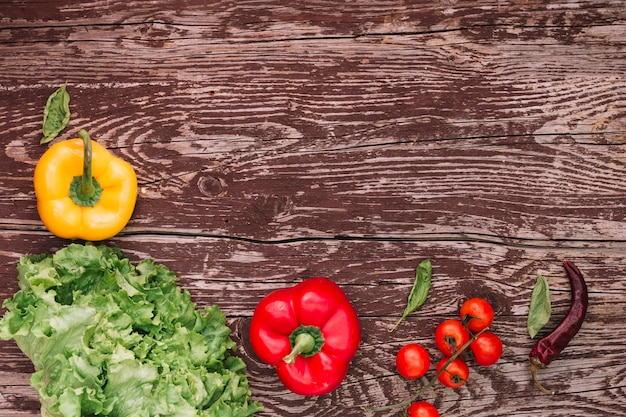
(276, 141)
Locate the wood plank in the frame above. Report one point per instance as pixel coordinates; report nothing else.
(588, 370)
(521, 194)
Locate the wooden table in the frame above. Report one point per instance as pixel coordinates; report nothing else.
(278, 140)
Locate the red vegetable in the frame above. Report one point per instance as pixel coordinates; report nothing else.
(548, 348)
(450, 335)
(412, 361)
(422, 409)
(455, 375)
(309, 332)
(476, 314)
(486, 349)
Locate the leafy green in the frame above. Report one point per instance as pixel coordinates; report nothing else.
(108, 338)
(56, 114)
(419, 292)
(540, 307)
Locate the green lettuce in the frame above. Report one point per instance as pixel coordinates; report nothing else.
(107, 338)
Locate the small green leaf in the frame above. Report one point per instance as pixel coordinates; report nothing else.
(540, 307)
(56, 114)
(420, 289)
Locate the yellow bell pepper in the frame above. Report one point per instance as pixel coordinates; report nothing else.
(83, 191)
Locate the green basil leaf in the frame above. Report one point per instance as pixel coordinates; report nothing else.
(419, 292)
(56, 114)
(540, 307)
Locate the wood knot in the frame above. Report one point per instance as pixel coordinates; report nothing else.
(212, 186)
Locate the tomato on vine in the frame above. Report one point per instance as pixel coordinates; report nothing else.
(486, 349)
(477, 314)
(422, 409)
(412, 361)
(450, 336)
(456, 373)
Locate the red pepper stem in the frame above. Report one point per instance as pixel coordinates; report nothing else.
(432, 382)
(534, 364)
(304, 344)
(85, 190)
(305, 341)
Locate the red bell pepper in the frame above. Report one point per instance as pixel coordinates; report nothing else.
(309, 332)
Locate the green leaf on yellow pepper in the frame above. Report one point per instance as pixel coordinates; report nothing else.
(56, 114)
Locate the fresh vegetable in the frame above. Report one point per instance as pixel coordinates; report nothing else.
(412, 361)
(540, 307)
(453, 338)
(422, 409)
(452, 374)
(450, 335)
(83, 191)
(419, 292)
(442, 367)
(56, 114)
(476, 314)
(107, 338)
(548, 348)
(309, 332)
(486, 349)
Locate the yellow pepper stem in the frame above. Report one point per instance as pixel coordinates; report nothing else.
(85, 190)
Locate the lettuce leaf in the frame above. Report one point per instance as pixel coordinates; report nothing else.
(108, 338)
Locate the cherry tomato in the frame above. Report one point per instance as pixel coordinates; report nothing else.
(412, 361)
(476, 314)
(455, 375)
(450, 336)
(422, 409)
(486, 349)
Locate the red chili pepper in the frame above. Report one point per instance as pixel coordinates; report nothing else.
(309, 332)
(548, 348)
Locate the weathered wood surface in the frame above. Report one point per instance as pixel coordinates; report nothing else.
(276, 141)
